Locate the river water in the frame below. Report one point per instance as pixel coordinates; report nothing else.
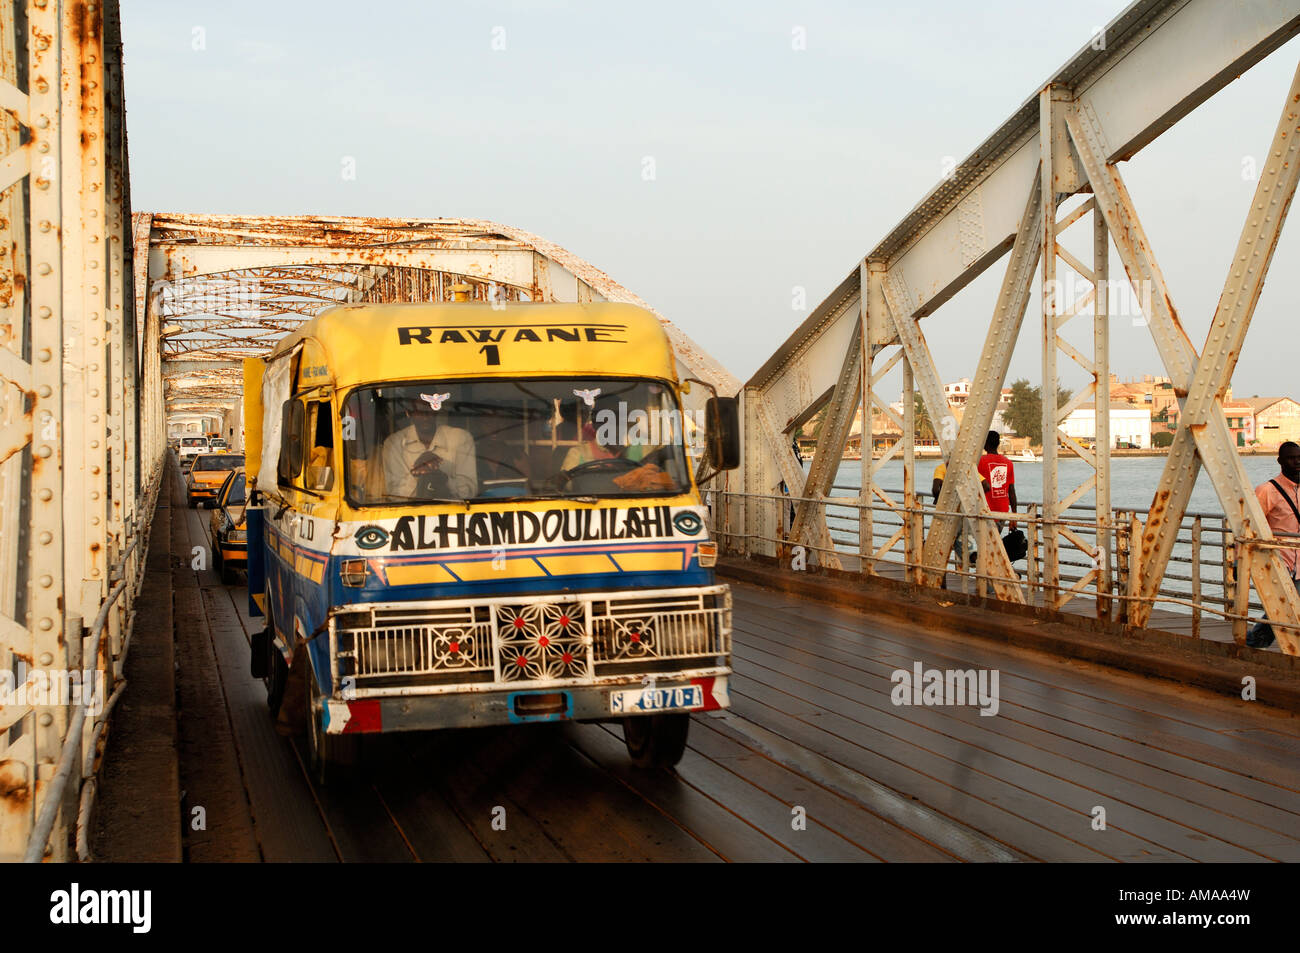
(1133, 480)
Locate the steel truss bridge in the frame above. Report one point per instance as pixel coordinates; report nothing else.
(115, 320)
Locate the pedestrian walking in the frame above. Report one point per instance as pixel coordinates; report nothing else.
(1279, 498)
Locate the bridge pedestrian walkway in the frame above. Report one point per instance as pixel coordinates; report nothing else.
(813, 762)
(1211, 628)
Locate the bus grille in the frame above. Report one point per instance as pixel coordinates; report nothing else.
(549, 640)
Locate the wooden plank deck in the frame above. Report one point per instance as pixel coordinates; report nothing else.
(813, 762)
(1182, 774)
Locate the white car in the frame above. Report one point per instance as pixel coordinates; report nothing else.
(190, 448)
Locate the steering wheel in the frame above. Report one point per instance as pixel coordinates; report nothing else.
(604, 465)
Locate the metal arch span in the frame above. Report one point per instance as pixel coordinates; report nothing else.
(217, 288)
(1147, 69)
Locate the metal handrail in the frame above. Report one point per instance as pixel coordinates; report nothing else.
(39, 837)
(887, 519)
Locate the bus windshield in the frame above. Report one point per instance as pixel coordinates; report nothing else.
(540, 438)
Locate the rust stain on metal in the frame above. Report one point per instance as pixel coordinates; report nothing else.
(340, 260)
(14, 789)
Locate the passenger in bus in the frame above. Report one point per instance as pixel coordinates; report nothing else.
(505, 469)
(429, 459)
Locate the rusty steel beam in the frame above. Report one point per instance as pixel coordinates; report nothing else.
(1245, 281)
(986, 388)
(1213, 442)
(836, 423)
(920, 363)
(227, 287)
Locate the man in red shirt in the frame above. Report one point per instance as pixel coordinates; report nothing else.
(1279, 498)
(999, 478)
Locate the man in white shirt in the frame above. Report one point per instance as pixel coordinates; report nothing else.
(433, 454)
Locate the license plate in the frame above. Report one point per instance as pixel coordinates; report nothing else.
(656, 699)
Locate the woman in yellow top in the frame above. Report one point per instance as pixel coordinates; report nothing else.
(967, 527)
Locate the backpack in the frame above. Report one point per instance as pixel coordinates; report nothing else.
(1015, 544)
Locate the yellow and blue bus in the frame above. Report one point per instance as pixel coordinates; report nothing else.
(467, 514)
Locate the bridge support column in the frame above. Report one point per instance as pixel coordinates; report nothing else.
(1060, 305)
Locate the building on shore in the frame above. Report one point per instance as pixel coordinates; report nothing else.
(1130, 424)
(1240, 415)
(1274, 420)
(958, 392)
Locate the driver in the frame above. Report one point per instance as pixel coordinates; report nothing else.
(598, 440)
(428, 458)
(589, 449)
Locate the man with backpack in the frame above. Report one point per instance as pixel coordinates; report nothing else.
(1279, 498)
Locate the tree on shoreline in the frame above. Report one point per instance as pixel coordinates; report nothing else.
(1024, 413)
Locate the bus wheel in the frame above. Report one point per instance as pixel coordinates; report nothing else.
(277, 672)
(334, 758)
(657, 741)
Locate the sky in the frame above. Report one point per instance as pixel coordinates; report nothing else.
(784, 141)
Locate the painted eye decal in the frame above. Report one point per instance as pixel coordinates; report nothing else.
(688, 523)
(371, 537)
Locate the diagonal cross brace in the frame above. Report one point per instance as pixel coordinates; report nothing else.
(986, 389)
(1005, 582)
(816, 533)
(1205, 438)
(837, 423)
(1268, 209)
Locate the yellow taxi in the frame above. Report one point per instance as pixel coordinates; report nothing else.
(229, 533)
(208, 473)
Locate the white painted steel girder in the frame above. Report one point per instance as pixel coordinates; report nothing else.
(986, 388)
(928, 383)
(1154, 63)
(227, 286)
(1176, 52)
(70, 469)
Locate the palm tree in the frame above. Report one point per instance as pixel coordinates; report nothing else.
(924, 426)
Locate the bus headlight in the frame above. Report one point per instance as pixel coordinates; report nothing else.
(353, 572)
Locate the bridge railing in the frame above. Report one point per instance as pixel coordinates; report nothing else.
(1205, 584)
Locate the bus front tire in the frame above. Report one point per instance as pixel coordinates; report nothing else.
(657, 741)
(334, 758)
(275, 671)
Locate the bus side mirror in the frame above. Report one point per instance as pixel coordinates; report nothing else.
(722, 420)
